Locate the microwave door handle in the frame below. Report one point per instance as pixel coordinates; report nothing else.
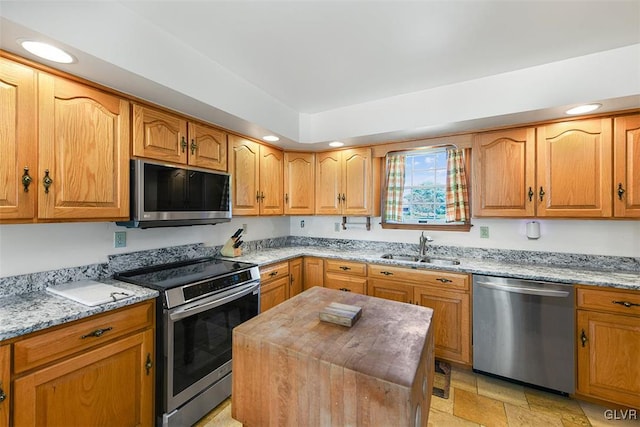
(181, 313)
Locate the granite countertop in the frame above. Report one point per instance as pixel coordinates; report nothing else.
(21, 314)
(540, 272)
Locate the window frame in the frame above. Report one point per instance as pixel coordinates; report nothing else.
(465, 227)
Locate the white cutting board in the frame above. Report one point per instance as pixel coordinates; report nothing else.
(90, 292)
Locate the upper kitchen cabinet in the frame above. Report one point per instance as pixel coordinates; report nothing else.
(347, 183)
(574, 162)
(626, 167)
(83, 142)
(171, 138)
(299, 185)
(504, 173)
(18, 146)
(257, 177)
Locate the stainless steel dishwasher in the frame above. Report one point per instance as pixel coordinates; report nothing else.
(523, 330)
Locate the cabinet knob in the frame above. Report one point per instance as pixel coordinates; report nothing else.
(194, 147)
(47, 181)
(530, 194)
(3, 396)
(621, 191)
(541, 193)
(148, 364)
(343, 198)
(183, 144)
(583, 338)
(26, 179)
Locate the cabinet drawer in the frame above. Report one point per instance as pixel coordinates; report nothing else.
(428, 277)
(46, 346)
(274, 271)
(610, 300)
(346, 283)
(345, 267)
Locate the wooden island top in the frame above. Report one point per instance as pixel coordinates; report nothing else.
(291, 369)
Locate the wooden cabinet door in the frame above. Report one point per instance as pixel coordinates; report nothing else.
(207, 147)
(626, 169)
(574, 161)
(391, 290)
(608, 365)
(18, 146)
(313, 272)
(244, 160)
(329, 183)
(94, 388)
(357, 181)
(5, 384)
(84, 145)
(299, 183)
(451, 319)
(271, 180)
(273, 293)
(159, 135)
(504, 173)
(295, 277)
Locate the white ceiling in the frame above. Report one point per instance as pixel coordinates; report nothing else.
(312, 71)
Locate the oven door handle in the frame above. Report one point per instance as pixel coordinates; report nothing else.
(196, 308)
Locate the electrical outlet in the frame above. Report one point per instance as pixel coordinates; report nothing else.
(484, 232)
(244, 228)
(120, 239)
(302, 223)
(336, 226)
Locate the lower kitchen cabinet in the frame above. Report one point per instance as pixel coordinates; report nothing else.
(274, 285)
(95, 371)
(295, 277)
(608, 342)
(313, 272)
(447, 293)
(5, 384)
(345, 276)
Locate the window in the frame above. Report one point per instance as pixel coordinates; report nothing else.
(426, 188)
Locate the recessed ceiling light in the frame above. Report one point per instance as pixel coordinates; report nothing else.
(271, 138)
(581, 109)
(336, 144)
(47, 51)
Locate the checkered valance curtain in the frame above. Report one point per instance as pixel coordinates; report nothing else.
(457, 196)
(395, 187)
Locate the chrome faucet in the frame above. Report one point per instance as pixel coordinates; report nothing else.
(423, 243)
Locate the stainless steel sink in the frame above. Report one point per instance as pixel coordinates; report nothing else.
(417, 258)
(403, 257)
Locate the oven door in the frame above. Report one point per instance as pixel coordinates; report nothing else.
(197, 350)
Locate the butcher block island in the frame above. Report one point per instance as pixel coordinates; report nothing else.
(292, 369)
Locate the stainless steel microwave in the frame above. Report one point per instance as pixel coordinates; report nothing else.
(165, 195)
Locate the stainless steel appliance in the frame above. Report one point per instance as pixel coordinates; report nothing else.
(523, 330)
(200, 302)
(164, 195)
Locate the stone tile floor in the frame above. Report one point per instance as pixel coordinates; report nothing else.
(478, 400)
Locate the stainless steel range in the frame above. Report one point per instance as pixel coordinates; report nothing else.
(200, 302)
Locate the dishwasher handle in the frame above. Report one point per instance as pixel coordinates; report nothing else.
(524, 290)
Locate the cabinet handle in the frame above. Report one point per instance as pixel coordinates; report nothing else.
(583, 338)
(286, 197)
(343, 198)
(291, 279)
(149, 364)
(257, 196)
(194, 147)
(345, 268)
(621, 191)
(542, 193)
(26, 179)
(97, 333)
(338, 198)
(46, 181)
(386, 273)
(262, 196)
(626, 303)
(443, 280)
(345, 289)
(183, 144)
(273, 273)
(530, 194)
(3, 396)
